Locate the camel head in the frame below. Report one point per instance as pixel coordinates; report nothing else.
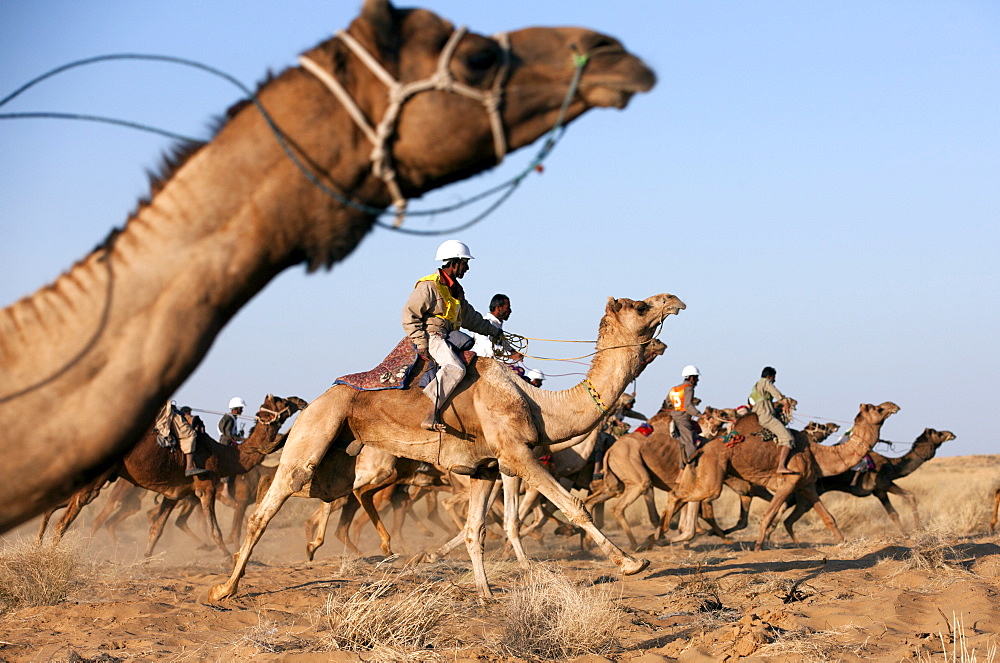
(875, 414)
(444, 136)
(817, 432)
(714, 421)
(629, 321)
(655, 348)
(277, 410)
(936, 437)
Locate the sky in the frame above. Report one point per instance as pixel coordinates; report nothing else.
(819, 182)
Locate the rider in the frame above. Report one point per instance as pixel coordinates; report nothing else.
(762, 404)
(680, 404)
(227, 424)
(435, 310)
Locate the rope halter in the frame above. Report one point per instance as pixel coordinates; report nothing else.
(399, 94)
(274, 415)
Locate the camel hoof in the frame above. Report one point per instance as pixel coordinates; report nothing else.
(217, 593)
(645, 545)
(631, 566)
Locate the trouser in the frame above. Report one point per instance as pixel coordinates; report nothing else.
(685, 434)
(768, 421)
(170, 420)
(450, 370)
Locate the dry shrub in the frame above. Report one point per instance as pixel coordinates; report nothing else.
(551, 618)
(382, 616)
(36, 575)
(932, 551)
(803, 645)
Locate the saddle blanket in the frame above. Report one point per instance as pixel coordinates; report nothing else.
(392, 373)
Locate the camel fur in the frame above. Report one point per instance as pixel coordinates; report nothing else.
(142, 310)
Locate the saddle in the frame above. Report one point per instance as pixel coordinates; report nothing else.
(395, 372)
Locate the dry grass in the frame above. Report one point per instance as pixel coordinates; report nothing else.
(815, 646)
(932, 551)
(549, 617)
(392, 620)
(955, 646)
(35, 575)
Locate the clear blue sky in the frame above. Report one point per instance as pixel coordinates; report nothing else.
(818, 181)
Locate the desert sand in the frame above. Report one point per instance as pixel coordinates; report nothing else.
(879, 596)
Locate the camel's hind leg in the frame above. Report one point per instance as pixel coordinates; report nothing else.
(308, 441)
(475, 530)
(131, 503)
(512, 516)
(911, 501)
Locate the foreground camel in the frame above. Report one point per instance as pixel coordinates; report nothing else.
(492, 422)
(161, 470)
(755, 461)
(880, 481)
(143, 309)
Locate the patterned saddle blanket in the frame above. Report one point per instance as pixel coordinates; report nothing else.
(395, 371)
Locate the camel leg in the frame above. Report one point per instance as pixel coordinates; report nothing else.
(157, 521)
(480, 491)
(911, 501)
(537, 476)
(744, 520)
(77, 501)
(811, 498)
(801, 508)
(114, 503)
(890, 510)
(45, 523)
(308, 441)
(651, 511)
(708, 515)
(184, 510)
(459, 538)
(205, 490)
(632, 492)
(511, 515)
(996, 510)
(366, 497)
(131, 503)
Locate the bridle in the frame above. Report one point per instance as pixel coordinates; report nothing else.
(275, 415)
(399, 94)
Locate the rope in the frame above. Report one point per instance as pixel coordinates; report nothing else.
(554, 136)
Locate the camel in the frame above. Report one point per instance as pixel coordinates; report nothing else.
(881, 480)
(302, 184)
(492, 421)
(636, 464)
(755, 461)
(161, 469)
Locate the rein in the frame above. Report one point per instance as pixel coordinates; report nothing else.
(399, 94)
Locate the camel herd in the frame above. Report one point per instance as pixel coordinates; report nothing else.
(303, 184)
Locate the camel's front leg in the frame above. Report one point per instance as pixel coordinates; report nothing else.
(455, 541)
(307, 443)
(519, 458)
(475, 530)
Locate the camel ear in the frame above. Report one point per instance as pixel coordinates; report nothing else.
(613, 305)
(381, 15)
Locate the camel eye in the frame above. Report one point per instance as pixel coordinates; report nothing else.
(642, 309)
(480, 61)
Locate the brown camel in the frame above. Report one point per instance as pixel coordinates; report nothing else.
(635, 464)
(161, 469)
(755, 461)
(493, 421)
(881, 480)
(143, 309)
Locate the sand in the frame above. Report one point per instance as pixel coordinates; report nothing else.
(880, 596)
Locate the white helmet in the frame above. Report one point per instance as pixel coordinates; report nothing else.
(453, 248)
(690, 370)
(236, 401)
(534, 374)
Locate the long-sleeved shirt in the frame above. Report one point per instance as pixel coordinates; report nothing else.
(425, 304)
